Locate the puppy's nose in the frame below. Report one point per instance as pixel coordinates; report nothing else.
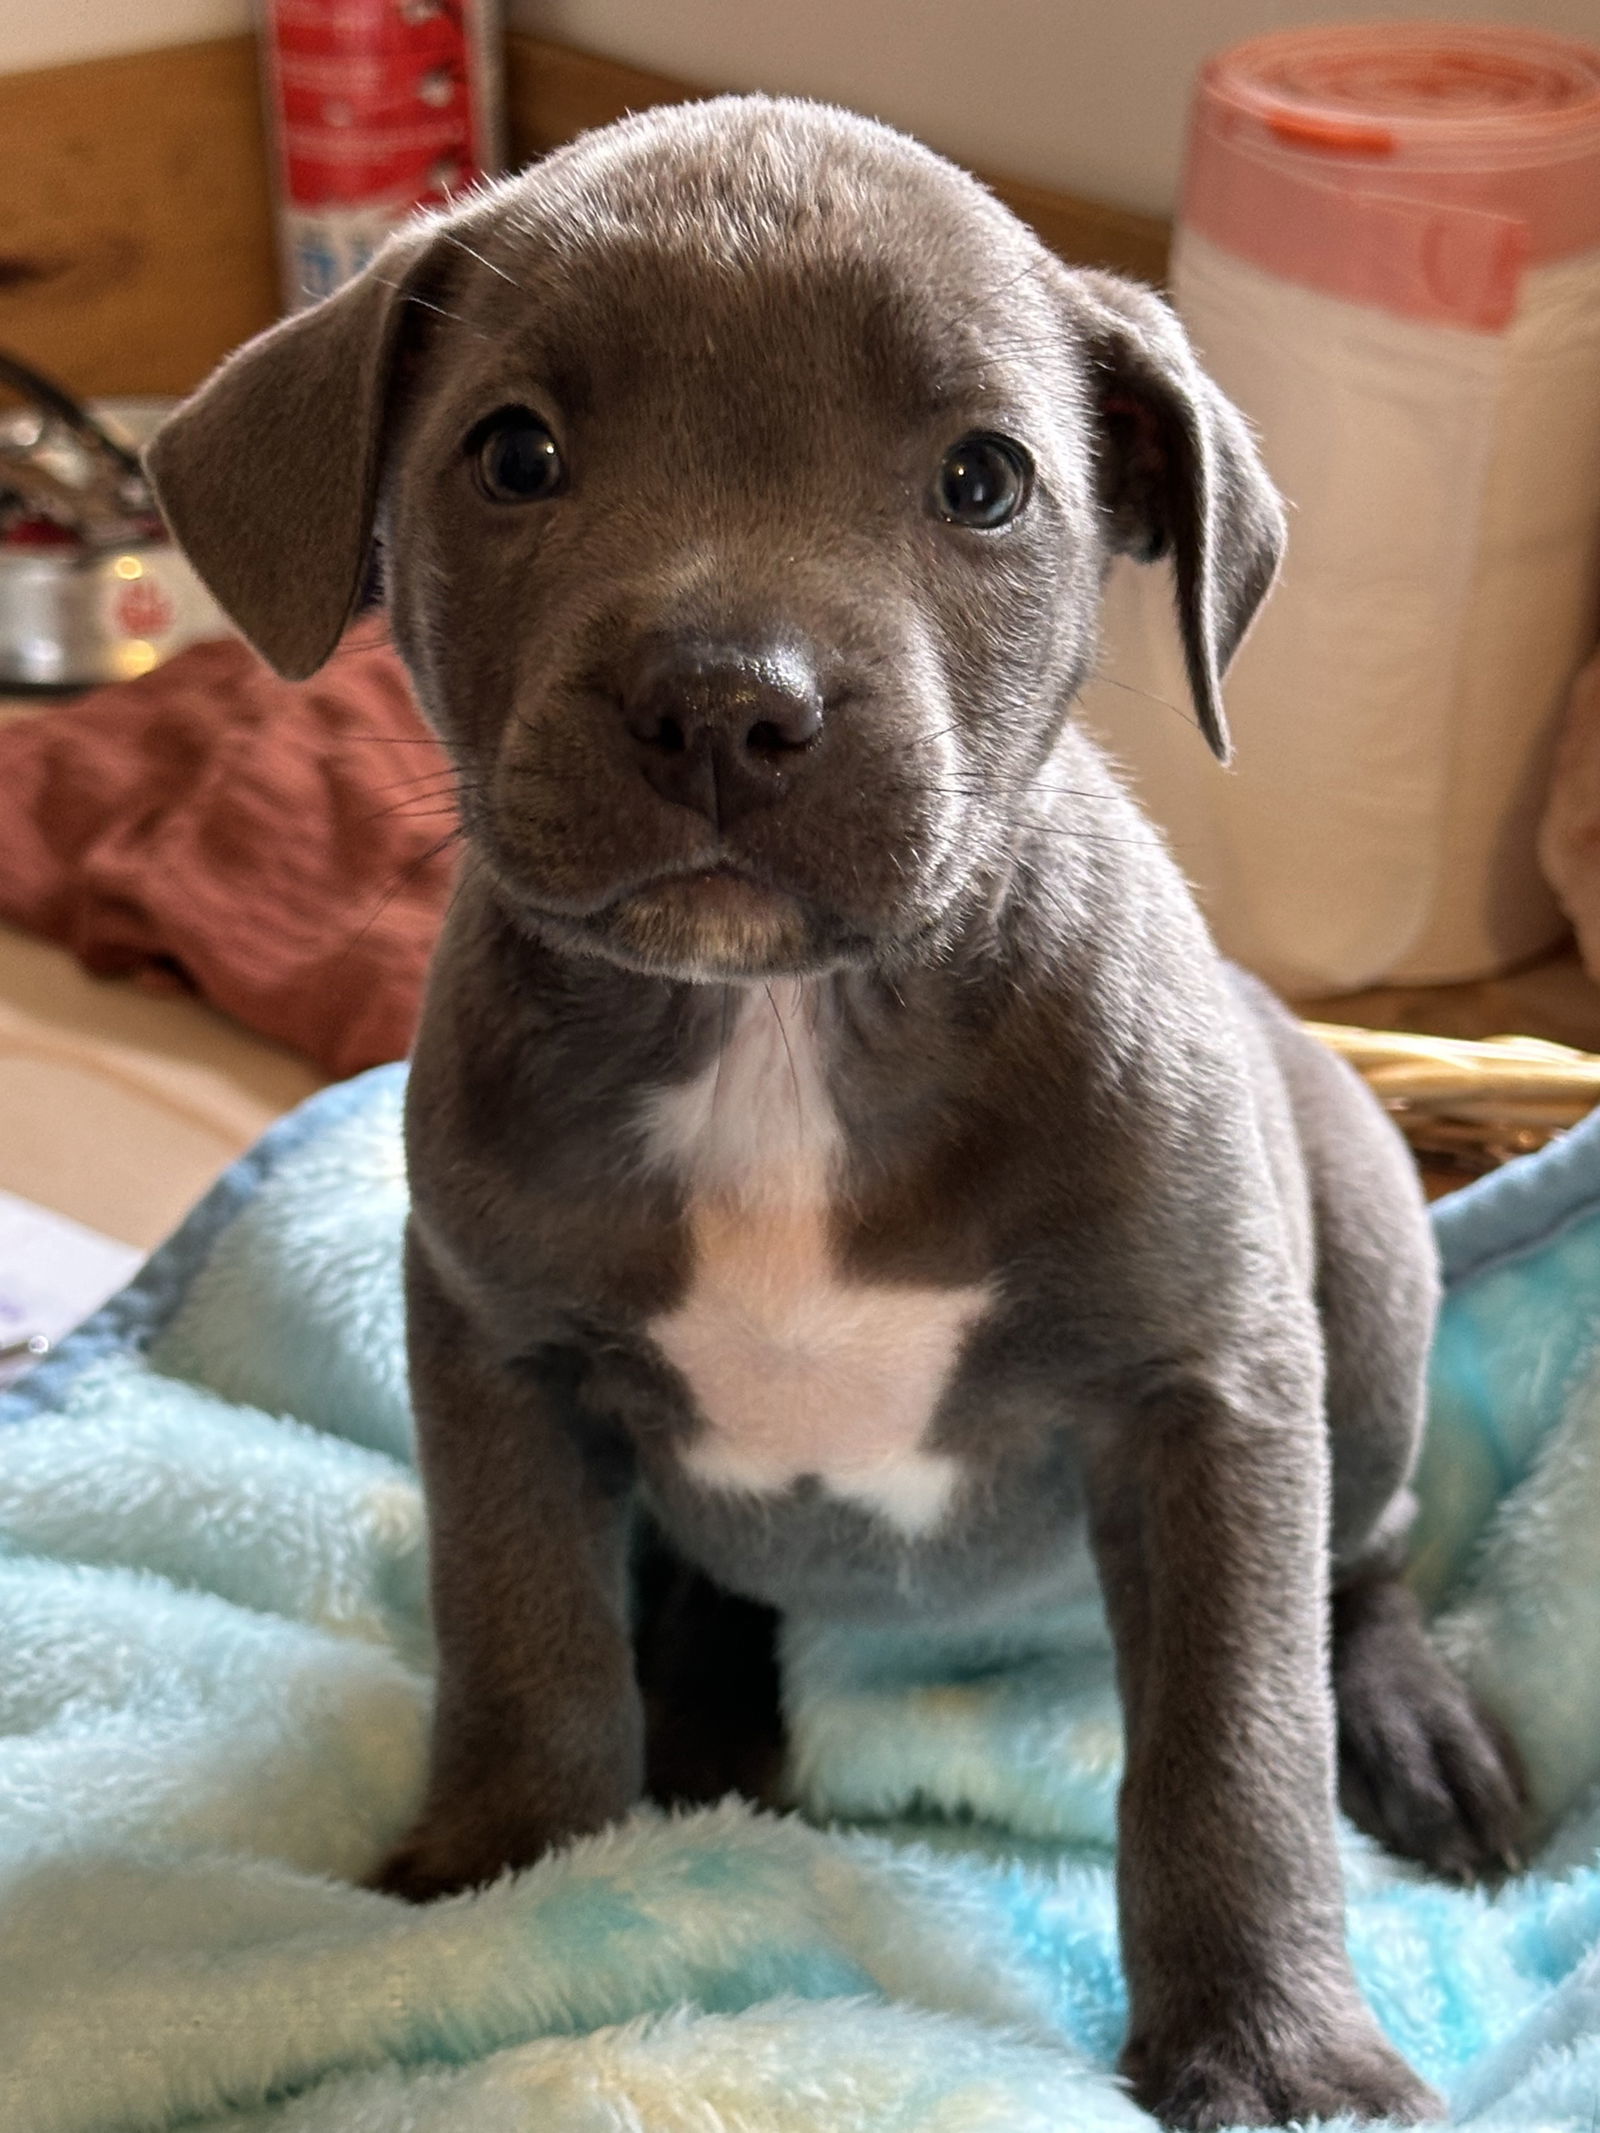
(721, 728)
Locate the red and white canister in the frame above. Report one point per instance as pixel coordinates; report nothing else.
(376, 107)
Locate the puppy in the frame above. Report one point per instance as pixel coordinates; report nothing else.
(838, 1153)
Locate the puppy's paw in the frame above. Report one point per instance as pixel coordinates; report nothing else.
(443, 1855)
(427, 1865)
(1239, 2081)
(1421, 1767)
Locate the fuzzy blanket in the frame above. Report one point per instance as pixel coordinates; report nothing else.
(213, 1691)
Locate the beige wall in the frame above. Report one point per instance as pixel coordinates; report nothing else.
(50, 33)
(1084, 94)
(1088, 95)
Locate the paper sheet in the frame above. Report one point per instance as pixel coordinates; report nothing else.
(53, 1274)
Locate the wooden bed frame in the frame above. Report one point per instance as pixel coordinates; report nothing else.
(136, 243)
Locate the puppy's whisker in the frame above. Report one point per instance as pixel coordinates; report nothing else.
(423, 807)
(346, 650)
(997, 348)
(461, 245)
(1068, 835)
(942, 733)
(1109, 681)
(441, 779)
(446, 796)
(722, 1051)
(991, 296)
(984, 788)
(424, 303)
(794, 1076)
(424, 792)
(407, 813)
(397, 887)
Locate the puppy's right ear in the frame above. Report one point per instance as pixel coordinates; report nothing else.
(268, 475)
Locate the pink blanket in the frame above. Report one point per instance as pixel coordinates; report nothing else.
(284, 848)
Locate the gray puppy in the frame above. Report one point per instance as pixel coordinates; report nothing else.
(837, 1150)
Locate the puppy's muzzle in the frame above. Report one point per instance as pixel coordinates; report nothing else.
(722, 729)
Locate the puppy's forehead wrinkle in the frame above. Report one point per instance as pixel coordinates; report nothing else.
(829, 334)
(726, 202)
(752, 247)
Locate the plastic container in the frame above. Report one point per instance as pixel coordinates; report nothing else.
(1389, 256)
(376, 107)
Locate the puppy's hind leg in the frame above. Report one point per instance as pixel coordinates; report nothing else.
(707, 1663)
(1421, 1767)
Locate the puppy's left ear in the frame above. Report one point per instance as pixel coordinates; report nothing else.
(1179, 475)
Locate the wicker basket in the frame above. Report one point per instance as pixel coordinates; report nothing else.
(1466, 1107)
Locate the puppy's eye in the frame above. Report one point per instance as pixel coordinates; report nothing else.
(983, 481)
(515, 458)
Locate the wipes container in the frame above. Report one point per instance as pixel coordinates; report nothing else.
(1388, 255)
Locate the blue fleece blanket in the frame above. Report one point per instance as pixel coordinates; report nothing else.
(213, 1692)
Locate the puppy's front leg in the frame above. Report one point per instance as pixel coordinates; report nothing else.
(537, 1734)
(1209, 1529)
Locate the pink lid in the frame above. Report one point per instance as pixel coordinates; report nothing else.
(1414, 166)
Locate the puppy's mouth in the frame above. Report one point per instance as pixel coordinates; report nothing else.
(714, 922)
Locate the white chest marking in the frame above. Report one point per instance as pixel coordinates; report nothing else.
(796, 1369)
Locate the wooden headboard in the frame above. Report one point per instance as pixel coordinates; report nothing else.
(136, 242)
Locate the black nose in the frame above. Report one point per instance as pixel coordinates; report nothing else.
(721, 728)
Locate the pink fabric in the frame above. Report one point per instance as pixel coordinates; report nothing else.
(283, 848)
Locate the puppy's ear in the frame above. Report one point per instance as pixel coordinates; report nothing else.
(1179, 475)
(268, 475)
